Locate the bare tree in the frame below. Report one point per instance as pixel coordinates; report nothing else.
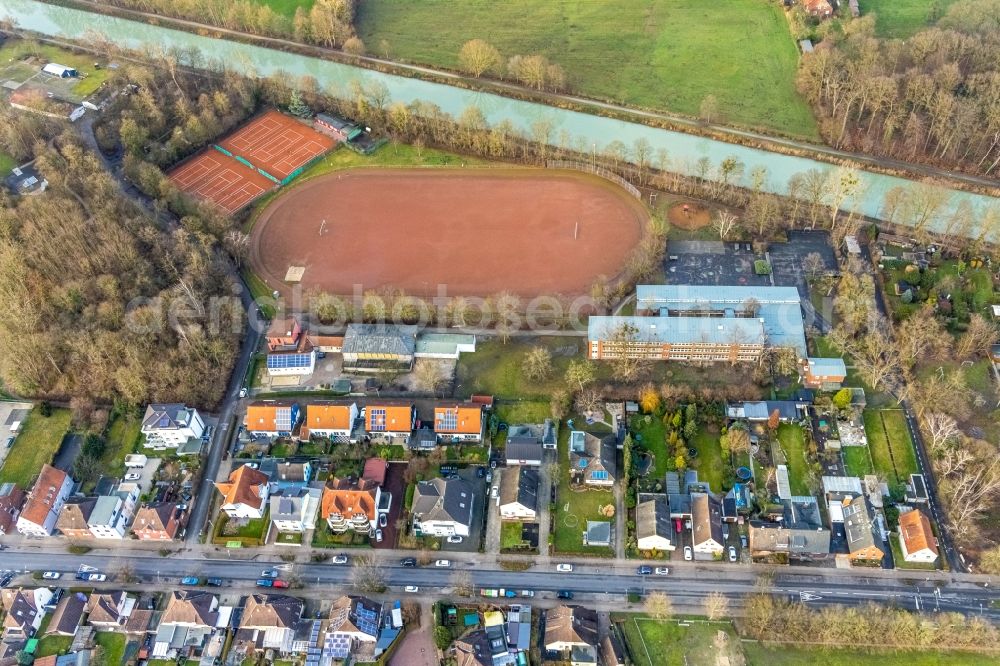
(970, 491)
(813, 264)
(941, 430)
(627, 361)
(709, 108)
(537, 363)
(368, 575)
(461, 583)
(580, 374)
(724, 223)
(739, 440)
(478, 57)
(658, 605)
(429, 375)
(977, 339)
(588, 400)
(716, 605)
(874, 351)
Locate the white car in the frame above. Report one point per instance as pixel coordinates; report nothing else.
(454, 538)
(378, 536)
(133, 476)
(340, 559)
(442, 563)
(97, 578)
(51, 575)
(732, 554)
(495, 492)
(661, 571)
(688, 553)
(411, 588)
(564, 568)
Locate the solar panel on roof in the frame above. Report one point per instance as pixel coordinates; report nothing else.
(279, 361)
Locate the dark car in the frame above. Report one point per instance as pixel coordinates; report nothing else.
(213, 582)
(480, 472)
(564, 594)
(5, 581)
(644, 570)
(408, 562)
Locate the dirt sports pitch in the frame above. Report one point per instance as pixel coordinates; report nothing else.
(474, 232)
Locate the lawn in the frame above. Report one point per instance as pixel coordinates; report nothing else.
(902, 18)
(889, 442)
(323, 538)
(37, 444)
(6, 163)
(286, 7)
(120, 440)
(787, 655)
(495, 368)
(575, 507)
(857, 462)
(651, 436)
(251, 534)
(510, 535)
(709, 463)
(793, 443)
(114, 646)
(664, 54)
(53, 645)
(523, 411)
(90, 79)
(668, 643)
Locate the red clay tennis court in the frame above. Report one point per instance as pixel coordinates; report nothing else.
(277, 144)
(472, 232)
(228, 184)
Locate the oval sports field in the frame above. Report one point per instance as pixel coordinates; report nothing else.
(473, 232)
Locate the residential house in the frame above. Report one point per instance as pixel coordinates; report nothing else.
(283, 334)
(384, 421)
(287, 474)
(167, 426)
(157, 522)
(73, 521)
(472, 649)
(519, 628)
(331, 420)
(25, 609)
(571, 634)
(351, 505)
(826, 374)
(189, 618)
(294, 509)
(379, 347)
(353, 629)
(245, 493)
(67, 615)
(292, 364)
(112, 513)
(524, 445)
(916, 539)
(706, 524)
(271, 418)
(788, 411)
(442, 507)
(459, 423)
(800, 535)
(861, 531)
(46, 499)
(423, 439)
(653, 527)
(818, 8)
(268, 623)
(109, 611)
(11, 501)
(592, 459)
(518, 493)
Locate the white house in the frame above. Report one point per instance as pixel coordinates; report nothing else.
(245, 493)
(45, 501)
(25, 609)
(652, 523)
(518, 493)
(916, 539)
(291, 364)
(294, 509)
(168, 426)
(190, 617)
(62, 71)
(706, 524)
(442, 507)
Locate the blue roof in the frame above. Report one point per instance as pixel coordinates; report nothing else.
(655, 296)
(276, 361)
(828, 366)
(676, 330)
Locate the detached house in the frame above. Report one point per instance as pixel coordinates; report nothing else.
(826, 374)
(459, 423)
(571, 634)
(653, 527)
(294, 509)
(167, 426)
(518, 493)
(334, 421)
(25, 609)
(67, 615)
(283, 334)
(109, 611)
(916, 539)
(190, 617)
(442, 507)
(349, 505)
(157, 522)
(862, 540)
(353, 629)
(524, 444)
(268, 623)
(592, 459)
(245, 493)
(45, 501)
(271, 418)
(112, 513)
(384, 421)
(706, 524)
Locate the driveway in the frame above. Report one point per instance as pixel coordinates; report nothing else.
(492, 544)
(395, 485)
(417, 647)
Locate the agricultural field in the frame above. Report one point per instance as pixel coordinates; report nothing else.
(903, 18)
(664, 54)
(676, 643)
(36, 444)
(890, 444)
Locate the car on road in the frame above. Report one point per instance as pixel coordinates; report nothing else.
(662, 571)
(411, 588)
(527, 593)
(688, 553)
(51, 575)
(408, 562)
(442, 563)
(340, 559)
(732, 554)
(269, 573)
(6, 578)
(281, 584)
(454, 538)
(190, 580)
(213, 582)
(96, 578)
(265, 582)
(378, 536)
(564, 594)
(564, 568)
(644, 570)
(243, 392)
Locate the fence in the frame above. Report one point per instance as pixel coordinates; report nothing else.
(597, 171)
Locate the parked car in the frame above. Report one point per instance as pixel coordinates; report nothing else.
(51, 575)
(383, 520)
(96, 578)
(133, 476)
(564, 567)
(442, 563)
(6, 578)
(408, 562)
(411, 588)
(527, 593)
(495, 492)
(280, 584)
(340, 559)
(213, 582)
(265, 582)
(644, 570)
(489, 477)
(454, 538)
(269, 573)
(190, 580)
(10, 441)
(688, 553)
(480, 472)
(378, 536)
(732, 554)
(662, 571)
(564, 594)
(243, 392)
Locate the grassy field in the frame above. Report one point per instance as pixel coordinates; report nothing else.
(889, 442)
(510, 534)
(495, 368)
(575, 507)
(667, 643)
(523, 411)
(6, 163)
(651, 436)
(122, 436)
(36, 445)
(901, 18)
(666, 54)
(709, 462)
(793, 443)
(786, 655)
(53, 645)
(90, 79)
(287, 7)
(114, 647)
(857, 462)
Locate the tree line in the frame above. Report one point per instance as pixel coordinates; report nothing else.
(932, 98)
(480, 58)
